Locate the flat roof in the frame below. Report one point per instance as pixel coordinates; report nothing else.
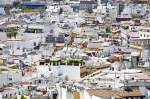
(35, 26)
(114, 93)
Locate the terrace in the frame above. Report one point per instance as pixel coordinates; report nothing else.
(69, 62)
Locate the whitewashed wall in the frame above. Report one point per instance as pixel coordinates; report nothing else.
(72, 72)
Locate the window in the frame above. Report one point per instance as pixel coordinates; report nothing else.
(34, 44)
(10, 95)
(39, 81)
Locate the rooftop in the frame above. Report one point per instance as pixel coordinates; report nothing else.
(115, 93)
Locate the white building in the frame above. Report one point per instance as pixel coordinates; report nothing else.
(144, 33)
(5, 2)
(71, 72)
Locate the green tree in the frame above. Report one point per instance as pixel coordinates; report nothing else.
(12, 32)
(16, 4)
(15, 98)
(108, 30)
(23, 97)
(89, 10)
